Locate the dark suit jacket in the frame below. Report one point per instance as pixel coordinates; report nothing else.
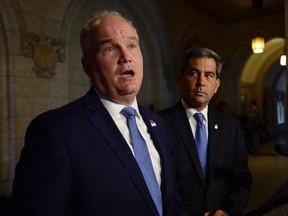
(228, 179)
(76, 162)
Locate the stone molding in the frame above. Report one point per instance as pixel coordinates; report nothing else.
(45, 52)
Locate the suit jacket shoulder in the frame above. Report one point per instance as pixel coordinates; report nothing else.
(75, 161)
(226, 162)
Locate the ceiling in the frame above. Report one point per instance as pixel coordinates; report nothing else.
(236, 10)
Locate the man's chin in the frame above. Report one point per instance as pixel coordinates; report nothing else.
(130, 93)
(197, 103)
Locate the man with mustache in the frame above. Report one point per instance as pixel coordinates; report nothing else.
(211, 160)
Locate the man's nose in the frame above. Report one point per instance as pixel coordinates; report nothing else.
(201, 79)
(124, 56)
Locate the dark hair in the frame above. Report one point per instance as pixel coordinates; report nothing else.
(196, 52)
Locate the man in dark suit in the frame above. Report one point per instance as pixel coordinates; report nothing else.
(216, 181)
(78, 160)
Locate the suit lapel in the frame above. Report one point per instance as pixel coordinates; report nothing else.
(103, 122)
(163, 146)
(183, 127)
(214, 128)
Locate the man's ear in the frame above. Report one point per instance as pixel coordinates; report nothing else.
(179, 78)
(86, 66)
(217, 85)
(178, 82)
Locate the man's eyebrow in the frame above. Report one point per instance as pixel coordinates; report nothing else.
(103, 41)
(210, 72)
(192, 69)
(134, 38)
(198, 71)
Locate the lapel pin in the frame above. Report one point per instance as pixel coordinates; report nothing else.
(216, 126)
(153, 124)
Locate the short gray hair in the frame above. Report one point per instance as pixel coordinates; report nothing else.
(87, 32)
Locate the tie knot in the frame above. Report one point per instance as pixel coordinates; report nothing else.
(199, 118)
(128, 112)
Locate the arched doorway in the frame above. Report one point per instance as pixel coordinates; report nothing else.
(263, 80)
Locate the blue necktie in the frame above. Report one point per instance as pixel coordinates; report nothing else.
(142, 157)
(201, 140)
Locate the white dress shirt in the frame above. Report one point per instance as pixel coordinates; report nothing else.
(121, 122)
(192, 121)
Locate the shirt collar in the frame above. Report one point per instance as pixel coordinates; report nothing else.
(115, 108)
(190, 111)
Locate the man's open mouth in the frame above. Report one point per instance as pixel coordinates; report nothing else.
(128, 73)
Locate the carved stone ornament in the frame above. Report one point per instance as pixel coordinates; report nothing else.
(45, 59)
(45, 52)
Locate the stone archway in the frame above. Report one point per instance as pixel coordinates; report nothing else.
(254, 72)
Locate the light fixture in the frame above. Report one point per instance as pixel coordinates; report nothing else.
(258, 44)
(283, 60)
